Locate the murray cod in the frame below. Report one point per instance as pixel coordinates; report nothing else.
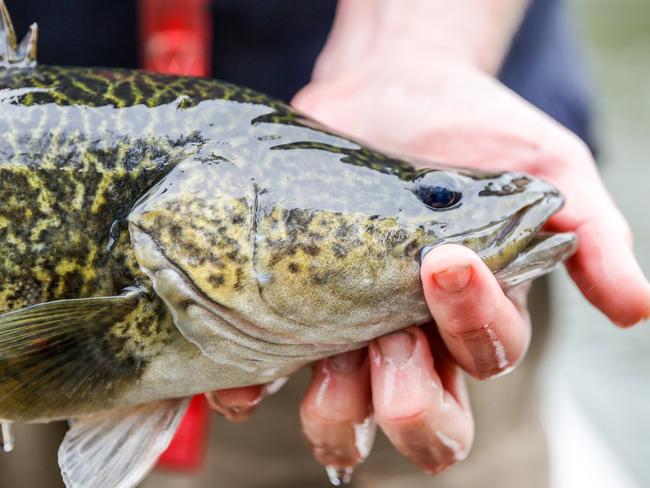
(162, 236)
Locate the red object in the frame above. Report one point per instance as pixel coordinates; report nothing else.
(187, 449)
(176, 38)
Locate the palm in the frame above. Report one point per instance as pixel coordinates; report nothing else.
(457, 115)
(453, 114)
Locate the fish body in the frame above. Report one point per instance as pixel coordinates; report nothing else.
(81, 147)
(250, 240)
(162, 236)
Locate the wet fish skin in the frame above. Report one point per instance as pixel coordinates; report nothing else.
(162, 236)
(238, 239)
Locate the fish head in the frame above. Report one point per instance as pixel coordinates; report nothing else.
(292, 265)
(499, 216)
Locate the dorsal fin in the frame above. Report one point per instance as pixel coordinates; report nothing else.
(13, 54)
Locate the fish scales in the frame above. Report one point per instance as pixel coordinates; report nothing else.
(64, 182)
(244, 239)
(79, 147)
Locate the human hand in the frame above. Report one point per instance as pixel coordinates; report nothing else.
(452, 112)
(449, 110)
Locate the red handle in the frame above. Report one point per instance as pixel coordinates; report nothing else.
(187, 449)
(176, 38)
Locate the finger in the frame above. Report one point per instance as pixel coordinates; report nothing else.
(607, 273)
(420, 403)
(604, 267)
(236, 404)
(484, 331)
(336, 409)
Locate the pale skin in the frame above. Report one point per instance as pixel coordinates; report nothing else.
(417, 78)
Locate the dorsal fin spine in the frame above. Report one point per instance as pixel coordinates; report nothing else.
(7, 30)
(12, 54)
(27, 48)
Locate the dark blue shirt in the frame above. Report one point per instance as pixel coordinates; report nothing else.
(272, 45)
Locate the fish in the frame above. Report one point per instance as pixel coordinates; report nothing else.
(163, 236)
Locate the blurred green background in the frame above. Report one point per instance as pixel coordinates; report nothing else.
(608, 370)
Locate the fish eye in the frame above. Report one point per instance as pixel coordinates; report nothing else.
(438, 190)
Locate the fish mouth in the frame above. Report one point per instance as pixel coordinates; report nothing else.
(543, 254)
(521, 251)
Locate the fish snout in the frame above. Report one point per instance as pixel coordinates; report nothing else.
(512, 183)
(549, 196)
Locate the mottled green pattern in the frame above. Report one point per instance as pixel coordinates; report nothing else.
(69, 174)
(78, 147)
(270, 239)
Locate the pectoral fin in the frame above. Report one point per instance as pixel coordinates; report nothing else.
(65, 358)
(118, 448)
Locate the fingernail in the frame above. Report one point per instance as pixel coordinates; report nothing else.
(396, 349)
(233, 413)
(339, 476)
(239, 413)
(454, 279)
(424, 251)
(348, 362)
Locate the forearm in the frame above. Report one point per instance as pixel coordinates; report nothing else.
(479, 31)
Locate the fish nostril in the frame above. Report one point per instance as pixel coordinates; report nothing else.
(520, 181)
(506, 186)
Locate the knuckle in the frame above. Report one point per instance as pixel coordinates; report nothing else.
(402, 420)
(489, 355)
(470, 323)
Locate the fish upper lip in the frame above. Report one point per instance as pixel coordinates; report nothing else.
(540, 211)
(516, 233)
(515, 271)
(549, 204)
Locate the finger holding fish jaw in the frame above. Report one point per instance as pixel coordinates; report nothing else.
(604, 267)
(486, 331)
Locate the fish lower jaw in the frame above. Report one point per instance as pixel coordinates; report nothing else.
(543, 253)
(516, 237)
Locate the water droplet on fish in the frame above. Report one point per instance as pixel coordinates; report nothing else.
(275, 386)
(7, 437)
(339, 476)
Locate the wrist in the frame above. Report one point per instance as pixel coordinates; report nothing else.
(474, 32)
